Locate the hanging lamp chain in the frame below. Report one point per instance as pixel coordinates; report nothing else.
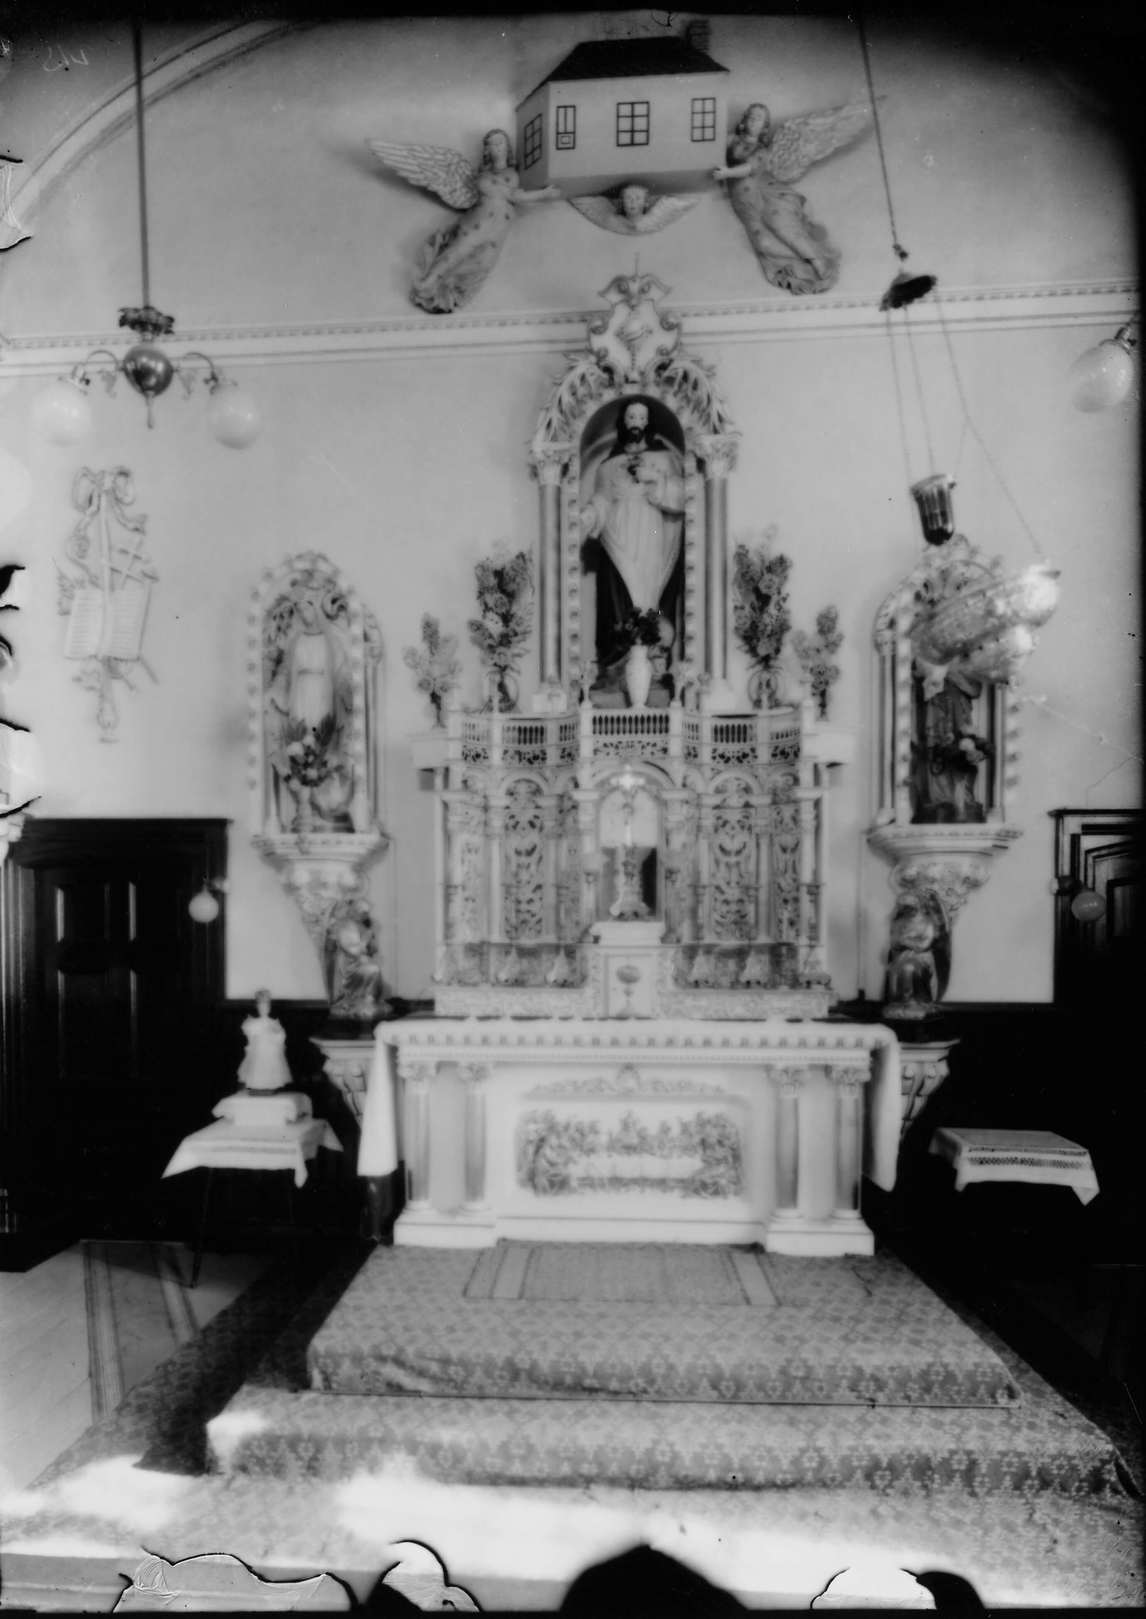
(897, 246)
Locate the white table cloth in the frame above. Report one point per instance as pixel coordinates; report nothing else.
(1036, 1156)
(233, 1146)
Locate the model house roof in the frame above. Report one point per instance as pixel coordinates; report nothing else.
(631, 58)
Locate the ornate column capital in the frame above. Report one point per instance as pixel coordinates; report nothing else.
(548, 463)
(417, 1074)
(474, 1074)
(719, 451)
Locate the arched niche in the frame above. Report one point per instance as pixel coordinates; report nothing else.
(634, 357)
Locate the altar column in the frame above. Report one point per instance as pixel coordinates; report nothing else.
(474, 1076)
(548, 465)
(788, 1086)
(416, 1078)
(848, 1084)
(719, 454)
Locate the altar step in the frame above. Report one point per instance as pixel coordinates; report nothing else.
(1038, 1446)
(668, 1322)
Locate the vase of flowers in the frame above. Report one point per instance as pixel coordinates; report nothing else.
(643, 630)
(816, 652)
(760, 614)
(435, 663)
(309, 762)
(505, 618)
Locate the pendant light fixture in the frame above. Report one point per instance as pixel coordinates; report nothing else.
(905, 287)
(1103, 376)
(993, 620)
(62, 412)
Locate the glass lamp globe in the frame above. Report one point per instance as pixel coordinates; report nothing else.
(1104, 375)
(233, 416)
(203, 906)
(62, 413)
(1087, 906)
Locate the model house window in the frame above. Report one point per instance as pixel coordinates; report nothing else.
(566, 129)
(531, 141)
(703, 118)
(632, 123)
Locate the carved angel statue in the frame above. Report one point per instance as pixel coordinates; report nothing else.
(634, 211)
(763, 160)
(455, 262)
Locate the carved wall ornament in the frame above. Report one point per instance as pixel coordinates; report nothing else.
(627, 1081)
(762, 162)
(313, 653)
(105, 592)
(456, 261)
(696, 1155)
(951, 640)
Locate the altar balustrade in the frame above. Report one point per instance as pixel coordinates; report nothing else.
(607, 1130)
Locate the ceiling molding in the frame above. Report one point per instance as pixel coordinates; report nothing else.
(553, 331)
(170, 72)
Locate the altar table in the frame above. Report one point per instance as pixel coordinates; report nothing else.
(634, 1130)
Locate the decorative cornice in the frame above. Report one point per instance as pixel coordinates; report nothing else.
(597, 1040)
(550, 331)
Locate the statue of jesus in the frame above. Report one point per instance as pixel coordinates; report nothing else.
(637, 512)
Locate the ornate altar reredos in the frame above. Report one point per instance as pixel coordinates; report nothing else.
(951, 639)
(620, 852)
(313, 653)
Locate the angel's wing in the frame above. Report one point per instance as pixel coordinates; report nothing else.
(665, 211)
(602, 211)
(797, 143)
(439, 168)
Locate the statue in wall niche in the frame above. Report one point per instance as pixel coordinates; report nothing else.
(919, 958)
(633, 210)
(635, 513)
(309, 699)
(264, 1064)
(762, 162)
(456, 261)
(947, 751)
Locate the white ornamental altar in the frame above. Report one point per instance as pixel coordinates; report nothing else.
(632, 1036)
(665, 1130)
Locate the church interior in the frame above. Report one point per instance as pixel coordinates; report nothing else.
(570, 809)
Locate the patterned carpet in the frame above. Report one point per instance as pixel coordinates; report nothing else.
(834, 1332)
(137, 1480)
(138, 1315)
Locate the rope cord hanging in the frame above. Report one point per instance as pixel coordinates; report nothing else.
(969, 426)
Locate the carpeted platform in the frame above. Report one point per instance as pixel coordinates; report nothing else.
(778, 1331)
(136, 1481)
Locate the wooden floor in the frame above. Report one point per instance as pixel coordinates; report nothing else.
(45, 1378)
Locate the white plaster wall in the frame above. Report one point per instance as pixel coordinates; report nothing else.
(267, 210)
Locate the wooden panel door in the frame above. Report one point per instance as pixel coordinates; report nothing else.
(1095, 961)
(116, 997)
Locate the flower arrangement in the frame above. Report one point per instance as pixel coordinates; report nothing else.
(505, 612)
(760, 613)
(309, 752)
(644, 627)
(815, 653)
(435, 663)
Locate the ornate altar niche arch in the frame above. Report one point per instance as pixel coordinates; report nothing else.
(313, 651)
(600, 859)
(633, 355)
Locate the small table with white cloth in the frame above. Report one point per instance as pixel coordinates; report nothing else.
(1036, 1156)
(229, 1145)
